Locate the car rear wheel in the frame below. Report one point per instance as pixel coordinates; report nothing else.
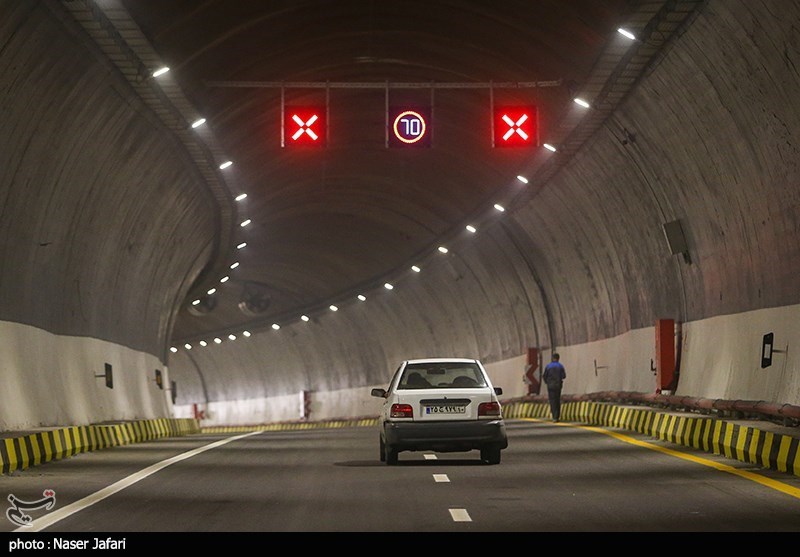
(390, 455)
(490, 456)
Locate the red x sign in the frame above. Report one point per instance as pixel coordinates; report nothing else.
(304, 125)
(516, 126)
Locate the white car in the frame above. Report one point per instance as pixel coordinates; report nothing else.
(441, 405)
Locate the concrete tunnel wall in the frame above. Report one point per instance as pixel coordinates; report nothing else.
(125, 225)
(103, 228)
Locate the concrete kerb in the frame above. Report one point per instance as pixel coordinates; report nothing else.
(758, 443)
(21, 451)
(754, 443)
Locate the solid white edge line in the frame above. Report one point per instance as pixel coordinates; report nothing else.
(42, 523)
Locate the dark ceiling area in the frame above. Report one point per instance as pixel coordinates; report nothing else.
(329, 222)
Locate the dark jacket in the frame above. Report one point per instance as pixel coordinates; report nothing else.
(554, 374)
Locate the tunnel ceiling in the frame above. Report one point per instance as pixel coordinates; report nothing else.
(328, 223)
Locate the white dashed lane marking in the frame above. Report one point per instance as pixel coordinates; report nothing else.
(440, 478)
(429, 456)
(460, 515)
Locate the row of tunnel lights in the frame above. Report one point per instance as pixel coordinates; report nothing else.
(388, 286)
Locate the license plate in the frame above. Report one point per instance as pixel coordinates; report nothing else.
(445, 409)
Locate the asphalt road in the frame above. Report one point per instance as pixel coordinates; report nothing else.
(552, 478)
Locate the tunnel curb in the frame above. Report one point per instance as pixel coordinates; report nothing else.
(744, 443)
(33, 449)
(749, 444)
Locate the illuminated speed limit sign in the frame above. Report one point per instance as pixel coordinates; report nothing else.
(409, 127)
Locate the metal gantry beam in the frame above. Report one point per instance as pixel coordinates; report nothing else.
(383, 84)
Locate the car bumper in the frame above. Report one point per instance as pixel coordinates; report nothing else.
(446, 436)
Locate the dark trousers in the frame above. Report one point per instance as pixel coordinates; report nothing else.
(554, 397)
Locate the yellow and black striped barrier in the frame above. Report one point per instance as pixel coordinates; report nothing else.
(293, 426)
(19, 453)
(713, 435)
(710, 434)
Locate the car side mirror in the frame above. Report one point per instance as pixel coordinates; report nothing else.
(381, 393)
(498, 391)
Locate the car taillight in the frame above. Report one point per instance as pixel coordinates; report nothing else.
(489, 409)
(402, 411)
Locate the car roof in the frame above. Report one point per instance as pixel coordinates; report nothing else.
(440, 360)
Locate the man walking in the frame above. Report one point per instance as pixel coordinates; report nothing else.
(553, 376)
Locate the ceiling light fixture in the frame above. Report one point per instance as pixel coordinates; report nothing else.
(388, 286)
(225, 165)
(198, 123)
(362, 297)
(626, 33)
(471, 228)
(415, 269)
(581, 102)
(499, 207)
(160, 71)
(522, 179)
(241, 196)
(549, 147)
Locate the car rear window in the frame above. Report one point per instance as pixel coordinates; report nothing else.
(442, 376)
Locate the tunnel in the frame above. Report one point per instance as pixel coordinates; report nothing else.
(167, 252)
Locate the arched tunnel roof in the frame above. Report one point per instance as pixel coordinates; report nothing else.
(126, 232)
(327, 223)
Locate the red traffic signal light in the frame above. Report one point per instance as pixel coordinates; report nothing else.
(516, 126)
(304, 125)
